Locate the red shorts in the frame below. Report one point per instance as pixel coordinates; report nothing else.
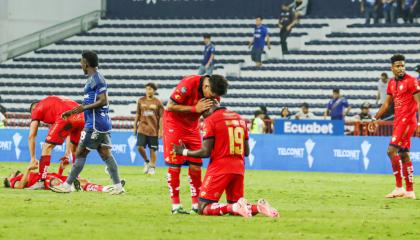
(62, 128)
(55, 179)
(214, 186)
(401, 135)
(192, 141)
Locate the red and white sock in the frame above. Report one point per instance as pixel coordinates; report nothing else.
(44, 163)
(217, 209)
(91, 187)
(253, 208)
(173, 184)
(408, 175)
(195, 184)
(397, 169)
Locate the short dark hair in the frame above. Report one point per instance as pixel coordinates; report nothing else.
(152, 85)
(336, 90)
(218, 84)
(259, 16)
(305, 105)
(397, 57)
(206, 35)
(6, 183)
(32, 105)
(91, 58)
(258, 112)
(384, 74)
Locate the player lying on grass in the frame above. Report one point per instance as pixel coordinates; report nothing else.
(225, 140)
(28, 180)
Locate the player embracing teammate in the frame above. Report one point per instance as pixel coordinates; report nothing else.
(404, 91)
(181, 126)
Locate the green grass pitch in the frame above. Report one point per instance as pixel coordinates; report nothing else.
(312, 206)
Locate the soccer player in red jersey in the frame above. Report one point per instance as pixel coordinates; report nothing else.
(29, 180)
(404, 91)
(49, 111)
(181, 124)
(226, 142)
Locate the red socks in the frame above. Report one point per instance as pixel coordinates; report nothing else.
(253, 208)
(397, 168)
(44, 163)
(91, 187)
(216, 209)
(195, 184)
(173, 184)
(408, 175)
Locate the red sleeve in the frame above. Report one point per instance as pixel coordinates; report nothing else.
(388, 89)
(37, 114)
(181, 92)
(415, 87)
(244, 125)
(208, 129)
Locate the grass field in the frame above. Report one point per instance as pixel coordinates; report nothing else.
(312, 206)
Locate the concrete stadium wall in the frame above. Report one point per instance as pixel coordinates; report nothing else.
(22, 17)
(268, 152)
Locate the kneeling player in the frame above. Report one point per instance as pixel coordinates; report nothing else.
(29, 179)
(226, 139)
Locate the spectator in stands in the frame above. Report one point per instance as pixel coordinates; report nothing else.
(370, 8)
(207, 65)
(408, 10)
(261, 36)
(258, 124)
(299, 7)
(364, 114)
(267, 120)
(417, 69)
(336, 105)
(304, 112)
(382, 86)
(390, 10)
(2, 120)
(285, 113)
(287, 21)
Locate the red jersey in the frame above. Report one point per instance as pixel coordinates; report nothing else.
(49, 109)
(32, 179)
(188, 92)
(402, 92)
(230, 132)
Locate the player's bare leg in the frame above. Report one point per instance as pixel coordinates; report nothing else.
(194, 175)
(397, 171)
(152, 163)
(143, 154)
(407, 169)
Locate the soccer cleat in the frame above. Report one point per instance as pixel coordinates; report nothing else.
(396, 193)
(179, 210)
(194, 211)
(37, 186)
(117, 191)
(241, 208)
(108, 188)
(265, 209)
(61, 188)
(409, 195)
(146, 168)
(76, 185)
(151, 171)
(122, 182)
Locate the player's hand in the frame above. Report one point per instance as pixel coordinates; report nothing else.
(32, 166)
(373, 126)
(203, 105)
(64, 162)
(178, 149)
(418, 131)
(66, 114)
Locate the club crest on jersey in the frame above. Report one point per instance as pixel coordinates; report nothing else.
(177, 97)
(183, 89)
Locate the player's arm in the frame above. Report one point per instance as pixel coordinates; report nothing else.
(382, 110)
(246, 148)
(33, 131)
(251, 43)
(22, 183)
(267, 39)
(101, 100)
(348, 109)
(417, 98)
(201, 106)
(204, 152)
(137, 119)
(160, 131)
(210, 60)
